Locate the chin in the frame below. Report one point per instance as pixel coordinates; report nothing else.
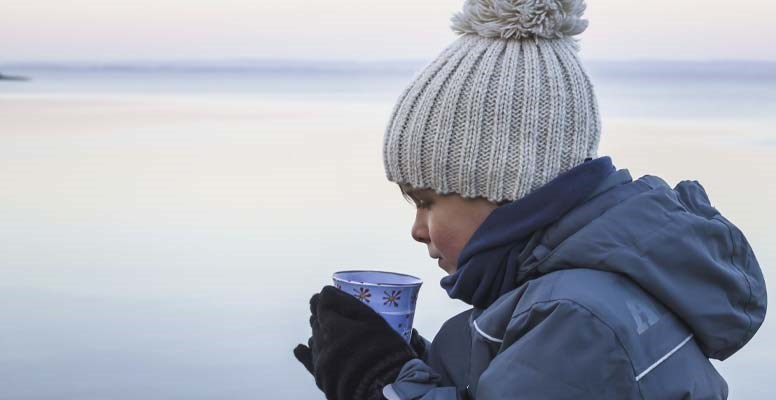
(449, 271)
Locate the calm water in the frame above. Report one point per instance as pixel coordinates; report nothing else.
(165, 227)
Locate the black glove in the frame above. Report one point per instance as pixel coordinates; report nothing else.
(353, 352)
(418, 344)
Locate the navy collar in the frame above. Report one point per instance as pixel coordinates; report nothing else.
(486, 268)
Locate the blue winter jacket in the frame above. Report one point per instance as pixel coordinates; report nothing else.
(624, 296)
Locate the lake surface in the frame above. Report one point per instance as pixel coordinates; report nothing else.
(165, 226)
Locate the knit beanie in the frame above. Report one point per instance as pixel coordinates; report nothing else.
(503, 110)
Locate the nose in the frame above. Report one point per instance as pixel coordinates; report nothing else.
(419, 229)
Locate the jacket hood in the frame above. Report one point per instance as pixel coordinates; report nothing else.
(671, 242)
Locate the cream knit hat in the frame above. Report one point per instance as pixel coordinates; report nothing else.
(503, 110)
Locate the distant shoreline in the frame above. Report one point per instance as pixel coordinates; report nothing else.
(695, 70)
(13, 78)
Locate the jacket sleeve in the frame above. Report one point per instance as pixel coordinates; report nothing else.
(553, 350)
(417, 381)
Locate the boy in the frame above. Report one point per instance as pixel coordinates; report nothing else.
(585, 284)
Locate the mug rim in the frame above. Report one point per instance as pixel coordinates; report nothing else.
(418, 284)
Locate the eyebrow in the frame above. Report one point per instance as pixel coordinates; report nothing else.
(421, 195)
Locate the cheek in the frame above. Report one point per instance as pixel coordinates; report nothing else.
(447, 238)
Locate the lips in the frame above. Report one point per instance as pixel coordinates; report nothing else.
(438, 258)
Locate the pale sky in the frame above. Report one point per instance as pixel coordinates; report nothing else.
(111, 30)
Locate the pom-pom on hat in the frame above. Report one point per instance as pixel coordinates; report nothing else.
(505, 19)
(503, 110)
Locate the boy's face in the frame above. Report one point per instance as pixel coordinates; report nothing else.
(446, 222)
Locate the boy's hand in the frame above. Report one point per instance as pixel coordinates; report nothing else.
(353, 352)
(418, 344)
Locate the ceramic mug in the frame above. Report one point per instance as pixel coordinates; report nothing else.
(390, 294)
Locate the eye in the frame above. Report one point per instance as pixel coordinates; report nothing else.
(423, 204)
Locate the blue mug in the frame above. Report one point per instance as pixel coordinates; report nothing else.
(390, 294)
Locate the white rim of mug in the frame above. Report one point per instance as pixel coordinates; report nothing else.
(420, 281)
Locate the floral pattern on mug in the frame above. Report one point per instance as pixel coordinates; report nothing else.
(392, 298)
(363, 294)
